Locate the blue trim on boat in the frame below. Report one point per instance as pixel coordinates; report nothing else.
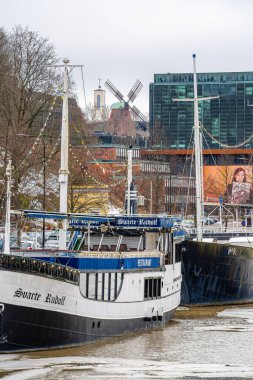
(104, 262)
(128, 222)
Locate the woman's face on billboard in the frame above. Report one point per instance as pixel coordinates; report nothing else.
(239, 177)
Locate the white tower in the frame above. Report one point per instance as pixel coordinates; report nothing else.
(99, 101)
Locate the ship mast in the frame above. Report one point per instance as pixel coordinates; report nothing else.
(129, 178)
(63, 172)
(198, 152)
(198, 159)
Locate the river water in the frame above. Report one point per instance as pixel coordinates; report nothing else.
(200, 343)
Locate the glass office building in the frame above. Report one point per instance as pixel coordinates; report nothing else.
(228, 119)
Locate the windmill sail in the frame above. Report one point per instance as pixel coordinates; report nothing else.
(137, 114)
(134, 91)
(114, 90)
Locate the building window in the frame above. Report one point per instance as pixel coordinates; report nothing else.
(248, 90)
(98, 101)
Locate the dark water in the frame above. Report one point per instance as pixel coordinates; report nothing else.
(201, 343)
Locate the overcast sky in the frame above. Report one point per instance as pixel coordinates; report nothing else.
(125, 40)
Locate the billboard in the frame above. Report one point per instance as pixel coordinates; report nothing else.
(228, 184)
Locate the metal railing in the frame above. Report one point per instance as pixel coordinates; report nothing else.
(40, 267)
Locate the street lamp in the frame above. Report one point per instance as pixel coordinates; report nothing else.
(151, 196)
(44, 192)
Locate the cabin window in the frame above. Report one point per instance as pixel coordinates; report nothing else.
(112, 291)
(92, 285)
(106, 280)
(109, 286)
(101, 286)
(178, 254)
(96, 286)
(145, 289)
(87, 285)
(115, 285)
(159, 285)
(152, 287)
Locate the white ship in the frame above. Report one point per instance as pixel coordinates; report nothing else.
(66, 298)
(95, 295)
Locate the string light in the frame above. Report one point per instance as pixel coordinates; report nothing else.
(104, 170)
(225, 145)
(39, 137)
(93, 178)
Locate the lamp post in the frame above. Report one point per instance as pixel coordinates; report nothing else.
(170, 195)
(8, 209)
(44, 192)
(151, 196)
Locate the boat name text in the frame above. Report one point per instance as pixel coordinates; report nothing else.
(144, 262)
(139, 222)
(232, 251)
(36, 297)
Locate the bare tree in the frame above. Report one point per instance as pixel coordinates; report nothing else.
(26, 95)
(152, 187)
(88, 192)
(95, 114)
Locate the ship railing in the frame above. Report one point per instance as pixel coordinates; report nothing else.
(44, 252)
(40, 267)
(120, 254)
(217, 229)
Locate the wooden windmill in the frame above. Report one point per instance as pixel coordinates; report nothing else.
(121, 122)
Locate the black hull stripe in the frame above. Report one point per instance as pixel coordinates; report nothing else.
(33, 329)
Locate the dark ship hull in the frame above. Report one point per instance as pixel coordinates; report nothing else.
(46, 305)
(26, 329)
(216, 274)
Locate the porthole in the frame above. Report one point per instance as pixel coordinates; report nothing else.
(93, 325)
(98, 324)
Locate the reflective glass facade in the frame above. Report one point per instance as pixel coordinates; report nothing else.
(228, 119)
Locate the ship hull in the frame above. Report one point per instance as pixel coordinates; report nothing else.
(28, 329)
(39, 312)
(216, 274)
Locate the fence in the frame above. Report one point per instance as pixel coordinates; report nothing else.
(43, 268)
